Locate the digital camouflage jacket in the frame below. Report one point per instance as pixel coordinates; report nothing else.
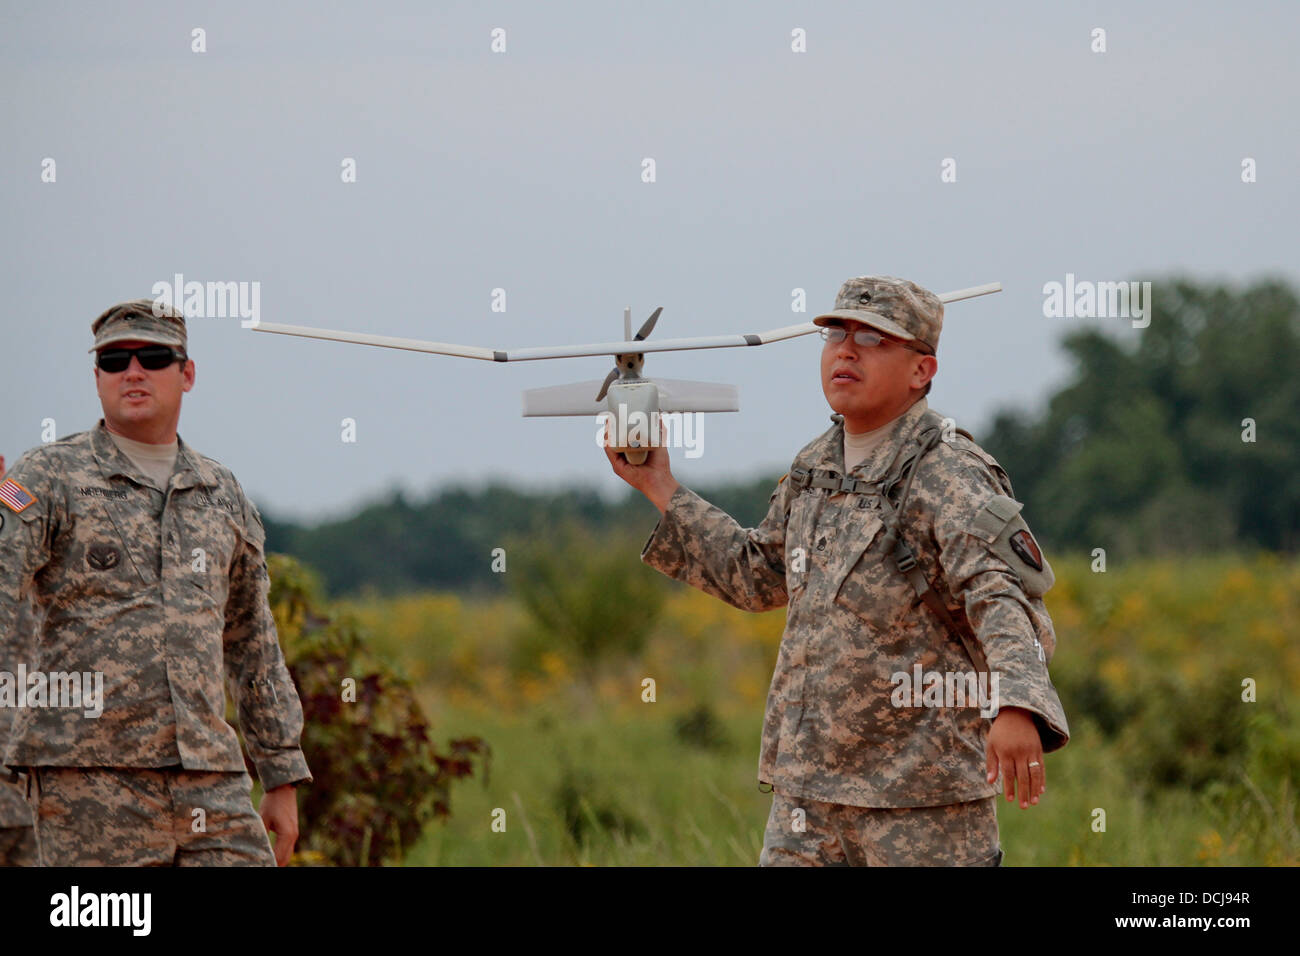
(842, 724)
(164, 594)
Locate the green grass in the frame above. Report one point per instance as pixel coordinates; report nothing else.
(647, 799)
(643, 798)
(1150, 667)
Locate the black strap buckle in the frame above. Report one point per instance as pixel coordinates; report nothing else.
(904, 557)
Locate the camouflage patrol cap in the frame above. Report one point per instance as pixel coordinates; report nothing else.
(140, 320)
(894, 306)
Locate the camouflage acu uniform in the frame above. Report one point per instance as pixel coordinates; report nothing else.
(17, 839)
(164, 592)
(18, 843)
(189, 818)
(832, 733)
(803, 832)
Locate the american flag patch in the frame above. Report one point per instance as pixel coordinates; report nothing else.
(16, 496)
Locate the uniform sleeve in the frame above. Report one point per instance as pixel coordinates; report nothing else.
(16, 645)
(25, 541)
(270, 713)
(1001, 594)
(700, 544)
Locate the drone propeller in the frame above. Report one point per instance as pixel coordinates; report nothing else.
(646, 329)
(609, 380)
(641, 336)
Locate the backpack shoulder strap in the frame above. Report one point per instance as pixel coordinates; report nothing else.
(928, 436)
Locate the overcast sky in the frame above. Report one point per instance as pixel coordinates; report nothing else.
(522, 170)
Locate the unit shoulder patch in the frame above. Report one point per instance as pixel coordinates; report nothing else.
(1023, 544)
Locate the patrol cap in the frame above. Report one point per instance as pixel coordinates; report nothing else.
(142, 321)
(895, 306)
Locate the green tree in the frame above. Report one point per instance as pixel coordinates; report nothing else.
(1143, 452)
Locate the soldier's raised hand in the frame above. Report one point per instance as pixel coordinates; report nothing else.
(654, 478)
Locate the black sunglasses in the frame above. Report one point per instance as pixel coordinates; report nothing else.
(152, 357)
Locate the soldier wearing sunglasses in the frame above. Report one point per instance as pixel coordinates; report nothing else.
(900, 553)
(146, 559)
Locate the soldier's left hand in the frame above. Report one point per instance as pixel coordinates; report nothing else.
(279, 812)
(1013, 746)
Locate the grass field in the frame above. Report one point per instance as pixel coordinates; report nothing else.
(1150, 666)
(646, 799)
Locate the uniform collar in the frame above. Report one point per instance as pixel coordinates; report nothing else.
(827, 452)
(191, 470)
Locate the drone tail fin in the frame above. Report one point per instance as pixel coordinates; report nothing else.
(676, 395)
(575, 399)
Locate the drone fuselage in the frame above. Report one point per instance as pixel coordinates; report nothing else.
(634, 408)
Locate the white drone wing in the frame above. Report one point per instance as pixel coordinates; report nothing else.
(544, 352)
(574, 351)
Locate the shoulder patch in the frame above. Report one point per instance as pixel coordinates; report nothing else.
(1002, 527)
(15, 497)
(1023, 544)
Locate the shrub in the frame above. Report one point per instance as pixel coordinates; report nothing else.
(378, 779)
